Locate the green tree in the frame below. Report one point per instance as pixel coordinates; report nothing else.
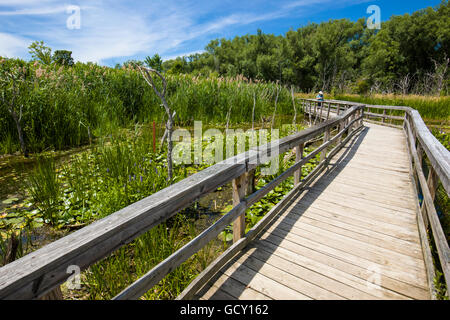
(63, 57)
(154, 62)
(40, 52)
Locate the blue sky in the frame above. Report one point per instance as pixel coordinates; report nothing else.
(117, 30)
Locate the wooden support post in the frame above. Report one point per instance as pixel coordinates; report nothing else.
(321, 111)
(251, 182)
(239, 188)
(384, 116)
(315, 112)
(338, 109)
(298, 156)
(350, 119)
(329, 109)
(310, 111)
(326, 137)
(341, 127)
(361, 115)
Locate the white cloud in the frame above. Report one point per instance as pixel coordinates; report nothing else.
(12, 46)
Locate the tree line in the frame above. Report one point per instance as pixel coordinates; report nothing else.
(409, 54)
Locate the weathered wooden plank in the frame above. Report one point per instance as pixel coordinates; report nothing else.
(232, 289)
(402, 274)
(298, 157)
(327, 211)
(239, 189)
(260, 263)
(337, 268)
(325, 272)
(263, 284)
(363, 235)
(346, 244)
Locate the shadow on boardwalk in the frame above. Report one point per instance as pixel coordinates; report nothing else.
(252, 268)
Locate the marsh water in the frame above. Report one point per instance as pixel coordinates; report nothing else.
(14, 170)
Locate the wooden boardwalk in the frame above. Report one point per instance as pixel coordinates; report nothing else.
(351, 235)
(353, 228)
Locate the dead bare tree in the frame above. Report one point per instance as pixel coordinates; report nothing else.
(376, 87)
(404, 83)
(440, 72)
(147, 74)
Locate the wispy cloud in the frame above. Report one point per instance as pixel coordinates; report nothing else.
(35, 11)
(124, 29)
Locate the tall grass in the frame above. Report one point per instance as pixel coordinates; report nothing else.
(65, 106)
(44, 188)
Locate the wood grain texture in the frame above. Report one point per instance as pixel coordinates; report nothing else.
(343, 238)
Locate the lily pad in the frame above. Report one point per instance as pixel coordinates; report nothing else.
(10, 200)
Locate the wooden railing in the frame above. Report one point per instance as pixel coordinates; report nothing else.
(38, 273)
(426, 154)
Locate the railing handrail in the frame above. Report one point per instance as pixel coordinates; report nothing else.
(37, 273)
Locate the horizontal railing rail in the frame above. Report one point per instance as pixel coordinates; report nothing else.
(421, 143)
(43, 270)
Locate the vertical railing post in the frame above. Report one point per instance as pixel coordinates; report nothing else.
(350, 119)
(239, 189)
(329, 109)
(321, 111)
(432, 183)
(384, 116)
(326, 138)
(310, 112)
(341, 127)
(360, 115)
(338, 109)
(298, 156)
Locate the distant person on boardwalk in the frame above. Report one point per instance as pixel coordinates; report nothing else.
(320, 98)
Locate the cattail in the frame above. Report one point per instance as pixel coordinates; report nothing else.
(39, 72)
